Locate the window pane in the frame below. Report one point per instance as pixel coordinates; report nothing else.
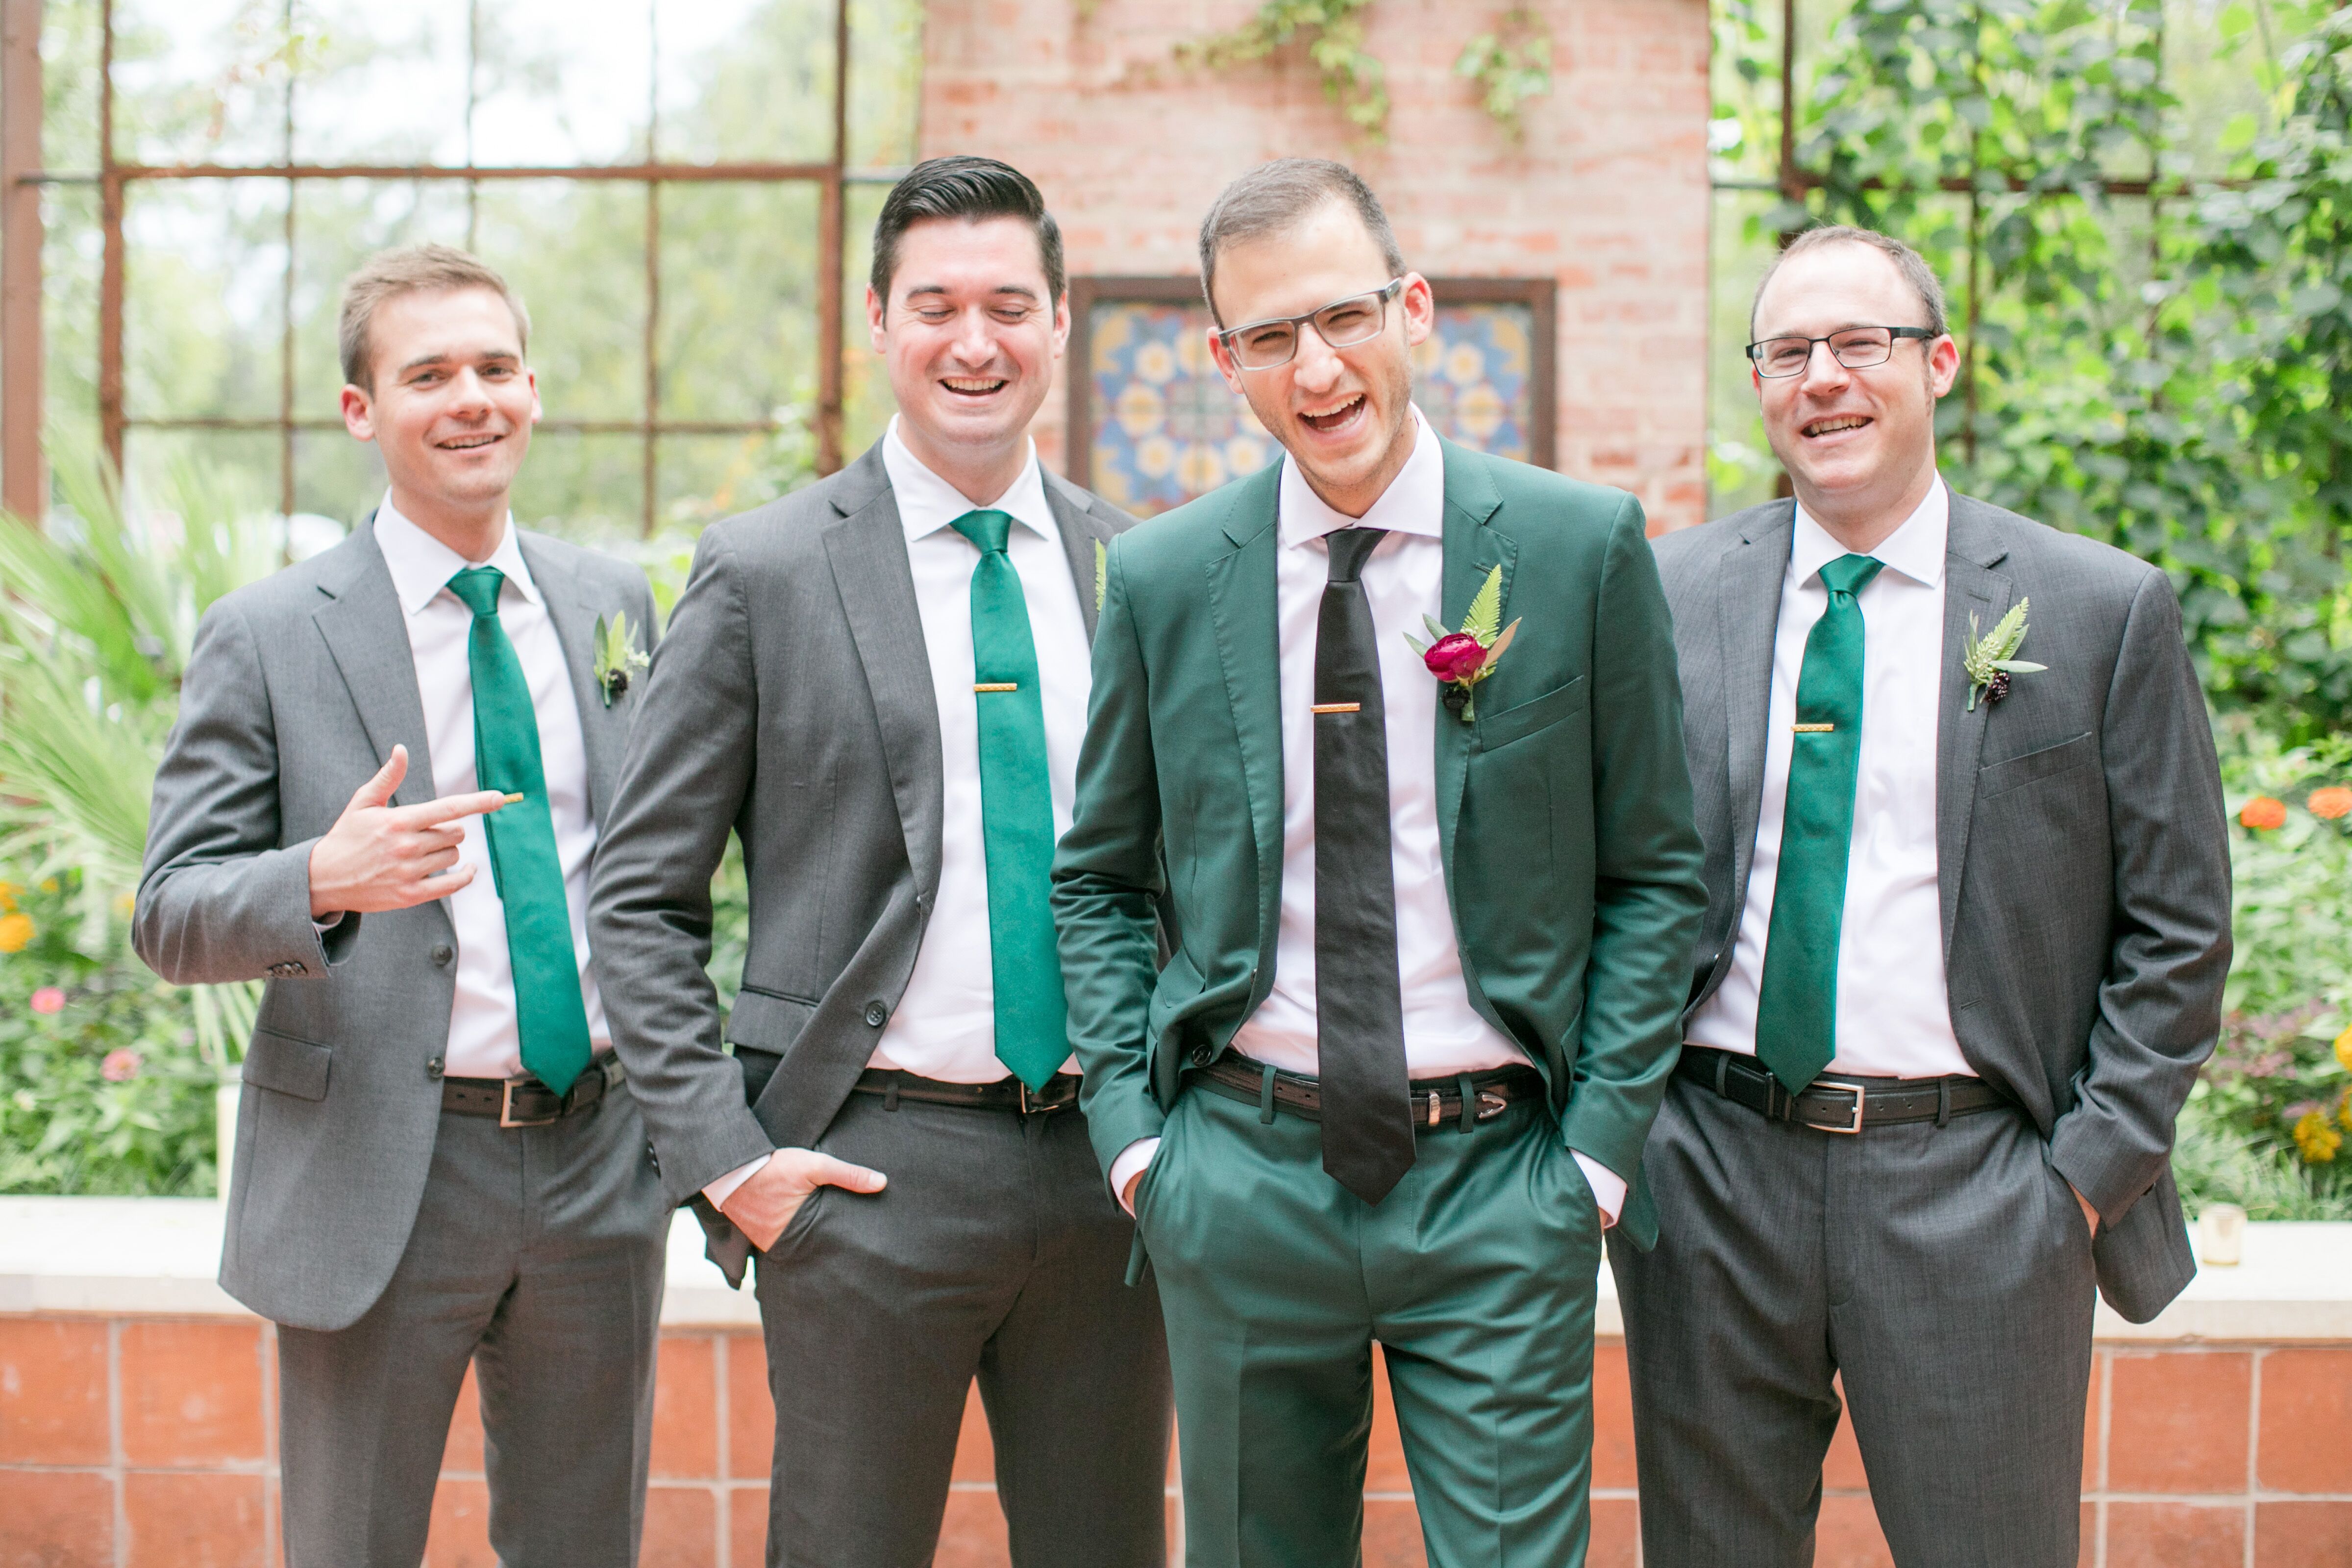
(204, 272)
(744, 80)
(240, 465)
(380, 84)
(563, 81)
(581, 487)
(702, 479)
(866, 400)
(199, 81)
(737, 330)
(336, 477)
(69, 267)
(885, 81)
(338, 224)
(575, 251)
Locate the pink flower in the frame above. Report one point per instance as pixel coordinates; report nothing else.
(121, 1065)
(49, 999)
(1457, 655)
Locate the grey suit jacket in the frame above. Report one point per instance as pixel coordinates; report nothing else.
(790, 700)
(297, 689)
(2080, 844)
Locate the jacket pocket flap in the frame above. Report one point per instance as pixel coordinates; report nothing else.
(290, 1066)
(1496, 731)
(768, 1020)
(2016, 772)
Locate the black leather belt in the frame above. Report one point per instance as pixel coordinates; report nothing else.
(525, 1101)
(1060, 1093)
(1838, 1104)
(1436, 1102)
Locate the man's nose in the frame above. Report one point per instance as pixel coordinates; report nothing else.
(1317, 363)
(1822, 371)
(975, 340)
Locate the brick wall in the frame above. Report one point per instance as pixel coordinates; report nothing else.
(1608, 194)
(152, 1443)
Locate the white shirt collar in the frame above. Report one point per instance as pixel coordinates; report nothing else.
(927, 503)
(421, 565)
(1414, 502)
(1915, 549)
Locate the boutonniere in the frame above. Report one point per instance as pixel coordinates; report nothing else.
(618, 659)
(1102, 576)
(1990, 661)
(1464, 659)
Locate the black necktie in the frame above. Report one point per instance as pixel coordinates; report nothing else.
(1360, 1012)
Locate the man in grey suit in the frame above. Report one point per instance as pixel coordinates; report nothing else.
(880, 683)
(1968, 923)
(437, 1160)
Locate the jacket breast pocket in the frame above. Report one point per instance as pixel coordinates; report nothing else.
(1496, 731)
(288, 1066)
(2016, 772)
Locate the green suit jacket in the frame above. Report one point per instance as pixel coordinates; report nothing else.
(1571, 861)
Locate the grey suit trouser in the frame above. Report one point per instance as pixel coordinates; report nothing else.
(995, 1252)
(537, 1257)
(1943, 1274)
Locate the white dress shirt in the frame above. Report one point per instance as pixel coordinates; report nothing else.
(1894, 1015)
(1404, 579)
(483, 1038)
(945, 1024)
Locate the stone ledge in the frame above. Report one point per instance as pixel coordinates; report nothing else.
(158, 1257)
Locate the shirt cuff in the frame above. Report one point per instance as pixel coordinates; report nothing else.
(720, 1191)
(329, 922)
(1134, 1158)
(1608, 1186)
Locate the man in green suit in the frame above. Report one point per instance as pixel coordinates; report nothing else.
(1429, 919)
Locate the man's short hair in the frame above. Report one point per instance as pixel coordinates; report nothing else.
(414, 268)
(972, 189)
(1276, 197)
(1907, 261)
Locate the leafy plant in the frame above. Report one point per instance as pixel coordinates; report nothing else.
(1511, 65)
(1333, 32)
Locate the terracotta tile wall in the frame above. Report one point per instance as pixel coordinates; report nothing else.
(131, 1443)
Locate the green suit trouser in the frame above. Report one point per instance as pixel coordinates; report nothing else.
(1475, 1275)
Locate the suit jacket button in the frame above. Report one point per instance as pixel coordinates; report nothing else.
(432, 1067)
(876, 1015)
(442, 953)
(1203, 1055)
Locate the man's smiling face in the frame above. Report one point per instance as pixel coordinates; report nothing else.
(451, 403)
(1852, 441)
(971, 333)
(1345, 416)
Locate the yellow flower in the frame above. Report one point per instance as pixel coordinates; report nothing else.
(9, 892)
(2344, 1049)
(2316, 1139)
(16, 932)
(49, 884)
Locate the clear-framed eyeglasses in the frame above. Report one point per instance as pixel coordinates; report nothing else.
(1856, 348)
(1342, 324)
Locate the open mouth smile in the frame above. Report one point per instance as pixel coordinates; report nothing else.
(1332, 421)
(470, 443)
(1831, 425)
(973, 386)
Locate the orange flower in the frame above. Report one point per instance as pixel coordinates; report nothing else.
(2262, 812)
(16, 932)
(2329, 804)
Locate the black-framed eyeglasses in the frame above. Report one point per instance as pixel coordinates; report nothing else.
(1342, 324)
(1856, 348)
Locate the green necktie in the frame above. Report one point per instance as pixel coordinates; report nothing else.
(529, 875)
(1016, 811)
(1796, 1013)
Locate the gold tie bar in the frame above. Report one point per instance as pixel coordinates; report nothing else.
(1813, 728)
(997, 685)
(1338, 708)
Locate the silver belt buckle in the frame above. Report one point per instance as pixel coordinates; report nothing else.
(507, 1117)
(1858, 1092)
(1030, 1107)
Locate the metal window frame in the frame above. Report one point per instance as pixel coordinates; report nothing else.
(23, 482)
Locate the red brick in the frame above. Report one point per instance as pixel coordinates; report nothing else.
(53, 1392)
(1842, 1467)
(1612, 1416)
(55, 1518)
(975, 1458)
(751, 1409)
(2086, 1553)
(463, 1451)
(1384, 1468)
(194, 1520)
(2180, 1422)
(2307, 1411)
(1616, 1533)
(191, 1393)
(1393, 1536)
(681, 1528)
(747, 1527)
(2303, 1534)
(1848, 1536)
(972, 1533)
(460, 1535)
(2175, 1534)
(685, 1408)
(2091, 1409)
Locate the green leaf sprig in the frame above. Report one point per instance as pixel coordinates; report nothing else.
(1990, 660)
(618, 658)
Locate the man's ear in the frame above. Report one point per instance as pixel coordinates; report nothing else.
(1223, 361)
(359, 413)
(1061, 323)
(1419, 307)
(1943, 359)
(873, 326)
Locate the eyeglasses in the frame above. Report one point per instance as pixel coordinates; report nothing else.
(1856, 348)
(1342, 324)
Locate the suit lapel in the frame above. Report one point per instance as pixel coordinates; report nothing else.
(604, 731)
(867, 551)
(1971, 587)
(1475, 543)
(368, 637)
(1082, 536)
(1747, 587)
(1242, 604)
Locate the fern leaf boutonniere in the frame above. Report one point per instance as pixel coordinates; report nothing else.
(619, 660)
(1992, 660)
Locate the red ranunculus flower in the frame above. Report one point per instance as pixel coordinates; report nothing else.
(1456, 656)
(120, 1065)
(2329, 804)
(49, 999)
(2262, 812)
